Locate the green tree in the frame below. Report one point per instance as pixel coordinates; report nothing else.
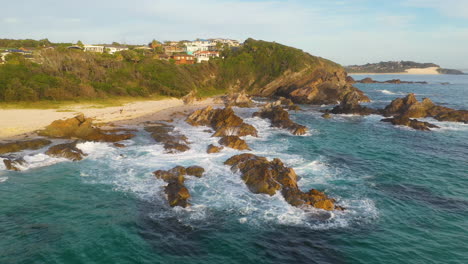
(80, 44)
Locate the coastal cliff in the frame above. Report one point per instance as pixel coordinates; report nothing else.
(258, 67)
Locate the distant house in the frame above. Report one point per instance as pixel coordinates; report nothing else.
(26, 53)
(164, 57)
(199, 45)
(75, 47)
(114, 49)
(229, 42)
(205, 55)
(183, 59)
(93, 48)
(171, 49)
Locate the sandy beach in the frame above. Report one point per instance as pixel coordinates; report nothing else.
(21, 123)
(412, 71)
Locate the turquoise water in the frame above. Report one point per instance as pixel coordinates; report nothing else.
(405, 191)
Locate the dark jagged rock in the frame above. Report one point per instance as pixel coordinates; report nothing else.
(14, 165)
(268, 177)
(326, 115)
(22, 145)
(66, 150)
(213, 149)
(196, 171)
(82, 128)
(410, 107)
(351, 105)
(224, 121)
(177, 193)
(413, 123)
(119, 145)
(234, 142)
(280, 118)
(172, 141)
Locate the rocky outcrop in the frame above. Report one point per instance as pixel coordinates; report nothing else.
(172, 141)
(413, 123)
(14, 164)
(234, 142)
(213, 149)
(240, 99)
(22, 145)
(196, 171)
(313, 86)
(392, 81)
(410, 107)
(280, 118)
(66, 150)
(190, 98)
(177, 193)
(268, 177)
(351, 105)
(224, 121)
(81, 127)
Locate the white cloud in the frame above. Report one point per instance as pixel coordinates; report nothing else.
(11, 20)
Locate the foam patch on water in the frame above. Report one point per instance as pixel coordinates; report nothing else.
(221, 190)
(384, 91)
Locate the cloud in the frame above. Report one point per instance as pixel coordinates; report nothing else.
(11, 20)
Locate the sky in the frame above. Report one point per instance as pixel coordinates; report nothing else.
(345, 31)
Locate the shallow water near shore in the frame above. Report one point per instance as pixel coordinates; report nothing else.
(404, 190)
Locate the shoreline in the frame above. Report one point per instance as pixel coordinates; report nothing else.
(18, 124)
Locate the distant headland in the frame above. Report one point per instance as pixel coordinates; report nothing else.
(400, 67)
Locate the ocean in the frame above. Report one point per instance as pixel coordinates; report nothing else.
(405, 192)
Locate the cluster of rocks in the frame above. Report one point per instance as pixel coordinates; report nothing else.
(404, 111)
(176, 192)
(392, 81)
(172, 141)
(268, 177)
(280, 118)
(240, 99)
(16, 146)
(80, 127)
(226, 124)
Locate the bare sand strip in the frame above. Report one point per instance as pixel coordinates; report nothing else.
(20, 123)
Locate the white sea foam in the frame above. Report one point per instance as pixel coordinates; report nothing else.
(3, 179)
(387, 92)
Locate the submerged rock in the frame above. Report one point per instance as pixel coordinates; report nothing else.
(24, 144)
(268, 177)
(82, 128)
(234, 142)
(15, 164)
(280, 118)
(213, 149)
(172, 141)
(177, 193)
(413, 123)
(66, 150)
(351, 105)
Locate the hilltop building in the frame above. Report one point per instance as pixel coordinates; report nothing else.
(205, 55)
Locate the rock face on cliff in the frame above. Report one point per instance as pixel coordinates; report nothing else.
(240, 99)
(270, 69)
(410, 107)
(82, 128)
(172, 141)
(351, 105)
(177, 193)
(24, 144)
(268, 177)
(280, 118)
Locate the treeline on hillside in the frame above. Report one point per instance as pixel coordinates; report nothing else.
(70, 74)
(25, 43)
(388, 67)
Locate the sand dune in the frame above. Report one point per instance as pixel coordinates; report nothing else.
(429, 70)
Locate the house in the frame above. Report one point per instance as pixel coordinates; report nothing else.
(26, 53)
(114, 49)
(171, 49)
(229, 42)
(199, 45)
(93, 48)
(164, 57)
(183, 59)
(205, 55)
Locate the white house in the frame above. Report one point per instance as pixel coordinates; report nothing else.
(205, 55)
(114, 49)
(199, 45)
(93, 48)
